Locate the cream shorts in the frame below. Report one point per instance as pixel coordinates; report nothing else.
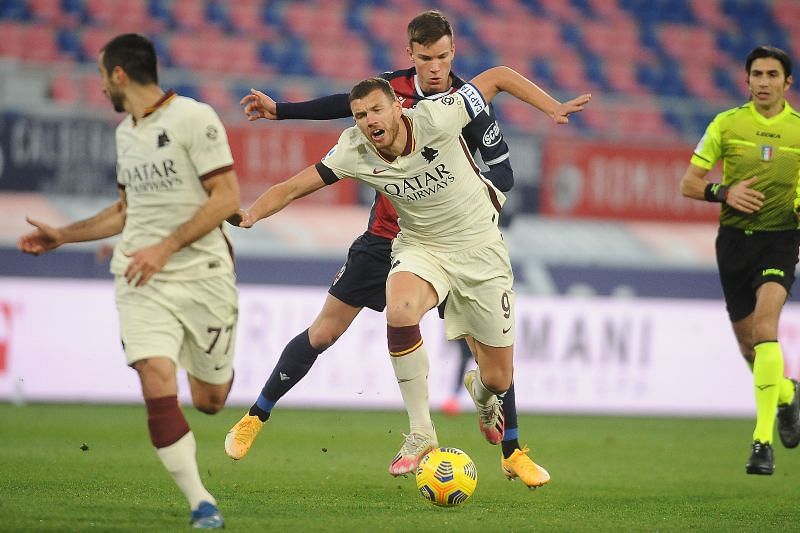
(477, 283)
(193, 323)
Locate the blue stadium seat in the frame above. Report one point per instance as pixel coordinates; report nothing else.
(14, 10)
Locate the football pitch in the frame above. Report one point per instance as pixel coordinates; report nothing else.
(92, 468)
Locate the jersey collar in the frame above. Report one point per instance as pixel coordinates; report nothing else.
(787, 110)
(163, 101)
(423, 96)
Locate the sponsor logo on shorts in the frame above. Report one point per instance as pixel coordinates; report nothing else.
(339, 275)
(284, 377)
(396, 262)
(773, 272)
(506, 330)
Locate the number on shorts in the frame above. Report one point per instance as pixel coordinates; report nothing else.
(217, 332)
(505, 303)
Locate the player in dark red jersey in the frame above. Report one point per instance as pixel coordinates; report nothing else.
(362, 279)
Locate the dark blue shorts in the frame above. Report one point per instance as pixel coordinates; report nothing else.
(361, 282)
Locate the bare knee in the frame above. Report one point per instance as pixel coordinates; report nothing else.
(496, 379)
(401, 315)
(209, 406)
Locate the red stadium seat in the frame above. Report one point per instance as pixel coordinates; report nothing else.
(94, 39)
(64, 89)
(218, 95)
(40, 44)
(711, 15)
(12, 45)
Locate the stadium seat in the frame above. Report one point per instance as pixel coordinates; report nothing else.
(217, 94)
(64, 89)
(93, 40)
(40, 43)
(12, 44)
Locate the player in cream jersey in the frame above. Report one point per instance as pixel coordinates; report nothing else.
(163, 160)
(449, 244)
(442, 201)
(173, 272)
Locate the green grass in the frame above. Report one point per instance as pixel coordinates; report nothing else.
(326, 471)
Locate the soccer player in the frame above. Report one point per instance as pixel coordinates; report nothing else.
(361, 281)
(758, 239)
(173, 268)
(449, 245)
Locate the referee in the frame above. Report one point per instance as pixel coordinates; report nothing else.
(758, 239)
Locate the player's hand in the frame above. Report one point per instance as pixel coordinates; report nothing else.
(242, 218)
(43, 239)
(744, 198)
(146, 262)
(576, 105)
(258, 105)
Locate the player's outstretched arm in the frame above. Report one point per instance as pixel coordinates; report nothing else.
(44, 238)
(258, 105)
(223, 201)
(279, 196)
(503, 79)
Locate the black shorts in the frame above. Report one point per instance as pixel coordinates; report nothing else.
(361, 282)
(746, 260)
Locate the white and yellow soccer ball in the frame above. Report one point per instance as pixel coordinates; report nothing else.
(446, 477)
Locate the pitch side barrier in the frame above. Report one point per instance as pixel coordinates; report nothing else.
(572, 355)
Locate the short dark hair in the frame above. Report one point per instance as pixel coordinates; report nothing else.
(428, 27)
(135, 54)
(773, 52)
(365, 87)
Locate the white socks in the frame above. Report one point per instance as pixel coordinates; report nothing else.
(179, 460)
(411, 371)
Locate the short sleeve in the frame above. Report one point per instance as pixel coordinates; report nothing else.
(207, 142)
(341, 160)
(708, 150)
(452, 112)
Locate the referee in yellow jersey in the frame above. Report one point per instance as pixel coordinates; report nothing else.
(758, 239)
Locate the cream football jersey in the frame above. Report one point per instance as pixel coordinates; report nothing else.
(442, 201)
(161, 162)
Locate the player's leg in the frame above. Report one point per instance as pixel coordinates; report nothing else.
(408, 298)
(494, 373)
(767, 373)
(152, 337)
(360, 283)
(171, 435)
(451, 406)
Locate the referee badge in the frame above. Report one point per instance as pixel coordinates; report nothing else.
(766, 152)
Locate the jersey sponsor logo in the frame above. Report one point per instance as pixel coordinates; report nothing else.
(492, 135)
(766, 152)
(769, 134)
(473, 98)
(149, 177)
(773, 272)
(429, 154)
(420, 186)
(163, 140)
(211, 132)
(379, 171)
(447, 100)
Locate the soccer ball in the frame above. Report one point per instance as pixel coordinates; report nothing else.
(446, 477)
